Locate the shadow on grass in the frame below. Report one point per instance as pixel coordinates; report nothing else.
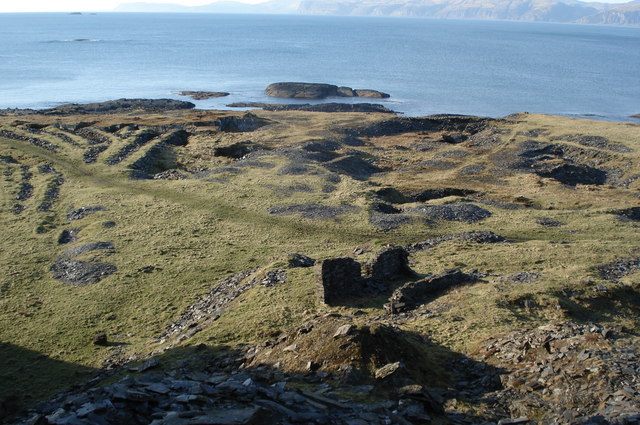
(609, 306)
(27, 376)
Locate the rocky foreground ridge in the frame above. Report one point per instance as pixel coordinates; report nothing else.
(177, 266)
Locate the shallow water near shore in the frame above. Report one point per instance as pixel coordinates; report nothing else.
(487, 68)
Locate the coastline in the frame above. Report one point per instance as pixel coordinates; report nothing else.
(228, 104)
(291, 233)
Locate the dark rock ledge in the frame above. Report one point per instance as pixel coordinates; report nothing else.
(202, 95)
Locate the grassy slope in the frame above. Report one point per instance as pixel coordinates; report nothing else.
(196, 232)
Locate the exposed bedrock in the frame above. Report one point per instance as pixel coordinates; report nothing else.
(119, 106)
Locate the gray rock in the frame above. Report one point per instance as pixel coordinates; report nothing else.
(82, 212)
(300, 260)
(388, 370)
(343, 330)
(81, 272)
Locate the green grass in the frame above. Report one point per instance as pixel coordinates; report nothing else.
(196, 232)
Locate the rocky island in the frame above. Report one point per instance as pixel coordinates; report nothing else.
(318, 91)
(166, 265)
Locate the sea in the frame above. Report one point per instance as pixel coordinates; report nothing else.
(428, 66)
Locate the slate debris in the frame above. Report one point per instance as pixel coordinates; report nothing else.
(615, 270)
(220, 393)
(41, 143)
(26, 188)
(388, 222)
(565, 373)
(464, 212)
(141, 139)
(211, 306)
(170, 175)
(313, 211)
(598, 142)
(90, 156)
(80, 273)
(93, 136)
(51, 193)
(82, 212)
(548, 222)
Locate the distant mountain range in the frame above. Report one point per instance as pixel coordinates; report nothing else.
(518, 10)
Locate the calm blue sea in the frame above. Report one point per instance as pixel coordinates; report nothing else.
(489, 68)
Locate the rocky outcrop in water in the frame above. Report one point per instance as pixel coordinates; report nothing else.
(317, 91)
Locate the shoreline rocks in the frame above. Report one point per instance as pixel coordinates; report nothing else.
(119, 106)
(291, 90)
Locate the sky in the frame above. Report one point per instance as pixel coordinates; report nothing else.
(88, 5)
(108, 5)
